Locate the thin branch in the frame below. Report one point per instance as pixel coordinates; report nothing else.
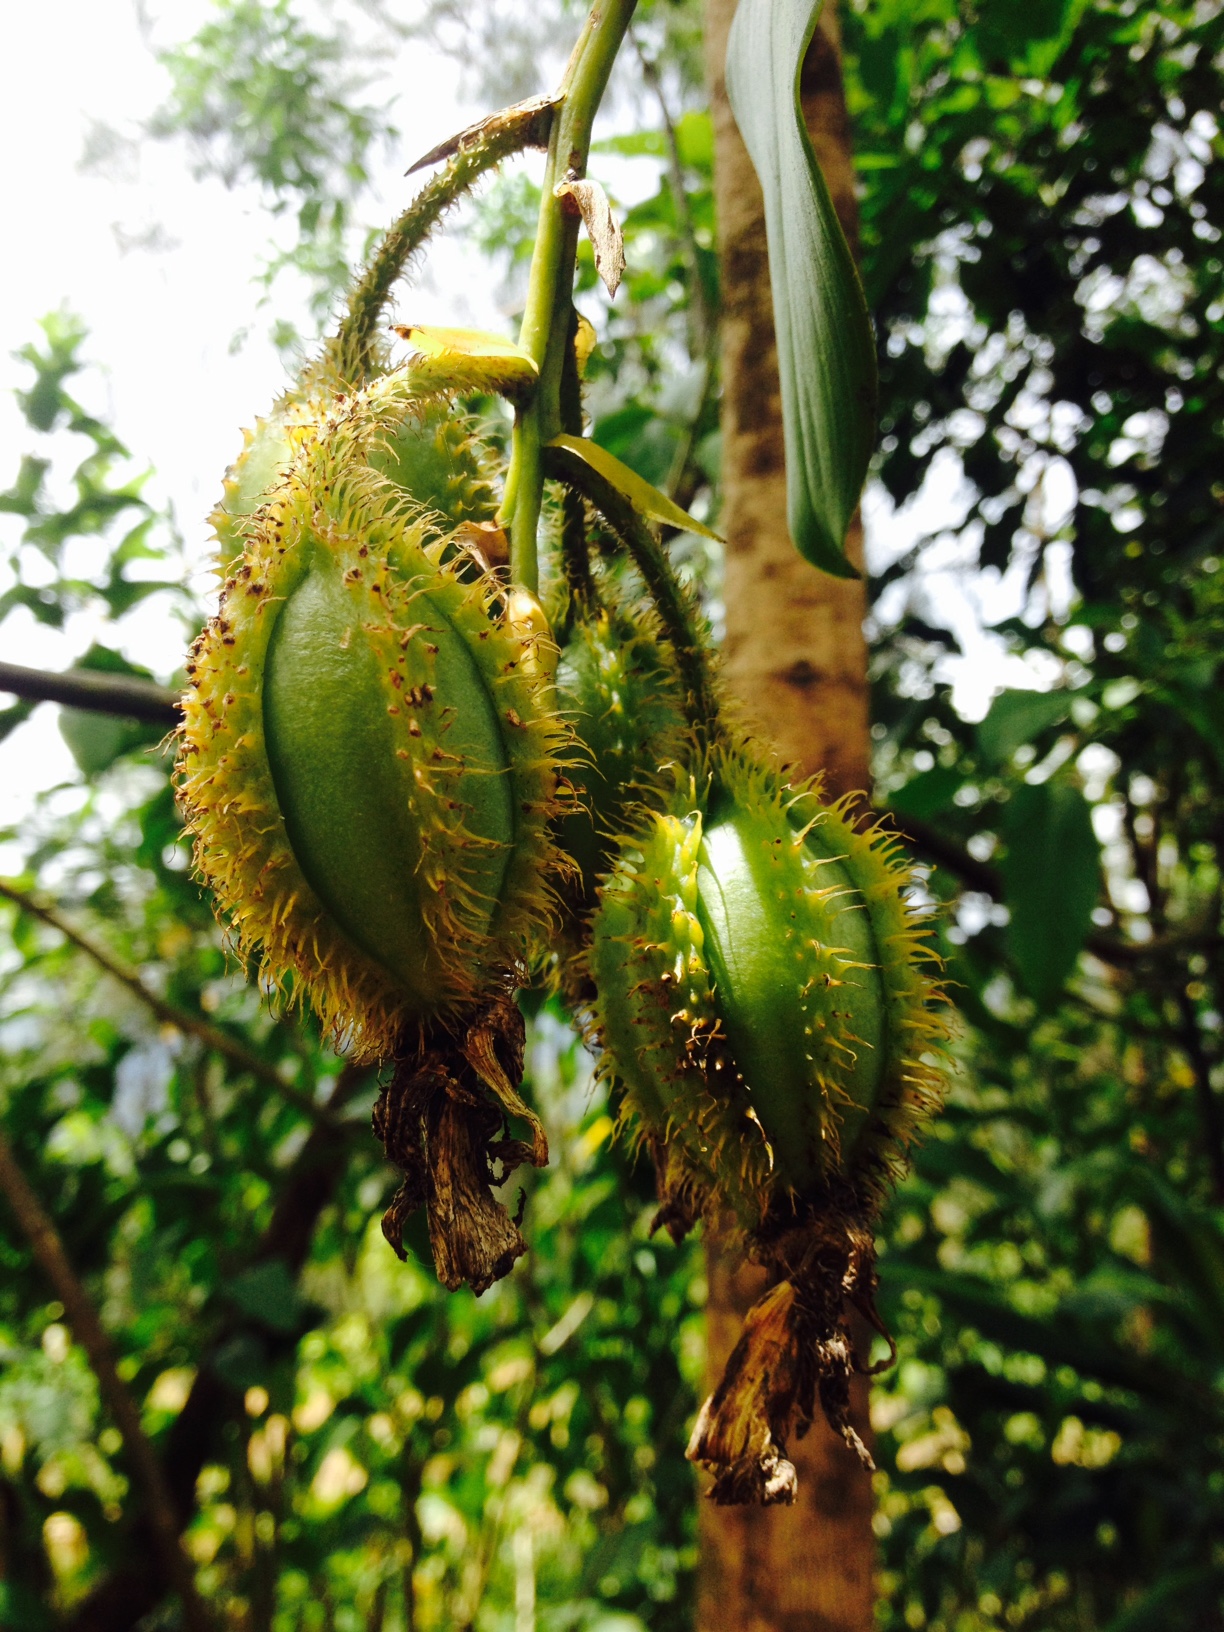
(93, 690)
(48, 1249)
(946, 852)
(212, 1037)
(702, 314)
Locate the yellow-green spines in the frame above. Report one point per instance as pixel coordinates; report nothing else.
(369, 759)
(618, 687)
(762, 994)
(434, 456)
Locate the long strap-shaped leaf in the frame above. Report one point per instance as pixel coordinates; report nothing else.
(826, 351)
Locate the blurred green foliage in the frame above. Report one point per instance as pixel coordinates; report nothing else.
(266, 99)
(1041, 192)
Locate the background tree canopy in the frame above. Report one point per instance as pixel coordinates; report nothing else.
(349, 1447)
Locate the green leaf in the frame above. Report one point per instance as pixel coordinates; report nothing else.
(461, 360)
(1151, 1613)
(22, 498)
(267, 1293)
(826, 349)
(96, 741)
(1201, 710)
(641, 495)
(927, 794)
(1051, 876)
(694, 142)
(1016, 717)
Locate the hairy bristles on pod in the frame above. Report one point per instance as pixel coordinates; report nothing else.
(619, 687)
(369, 754)
(764, 997)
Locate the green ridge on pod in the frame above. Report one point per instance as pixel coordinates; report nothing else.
(369, 755)
(618, 687)
(762, 994)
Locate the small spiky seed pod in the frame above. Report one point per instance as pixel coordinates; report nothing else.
(369, 757)
(764, 1001)
(618, 687)
(425, 448)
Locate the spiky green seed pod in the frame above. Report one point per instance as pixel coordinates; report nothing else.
(763, 996)
(425, 448)
(618, 686)
(369, 752)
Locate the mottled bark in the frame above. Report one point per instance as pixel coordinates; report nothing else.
(796, 661)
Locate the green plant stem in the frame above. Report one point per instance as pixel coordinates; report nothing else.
(546, 317)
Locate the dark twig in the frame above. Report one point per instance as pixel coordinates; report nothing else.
(90, 689)
(946, 852)
(212, 1037)
(48, 1249)
(703, 318)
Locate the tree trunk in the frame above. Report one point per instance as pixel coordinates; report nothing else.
(796, 660)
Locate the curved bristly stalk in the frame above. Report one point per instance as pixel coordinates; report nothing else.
(358, 352)
(352, 353)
